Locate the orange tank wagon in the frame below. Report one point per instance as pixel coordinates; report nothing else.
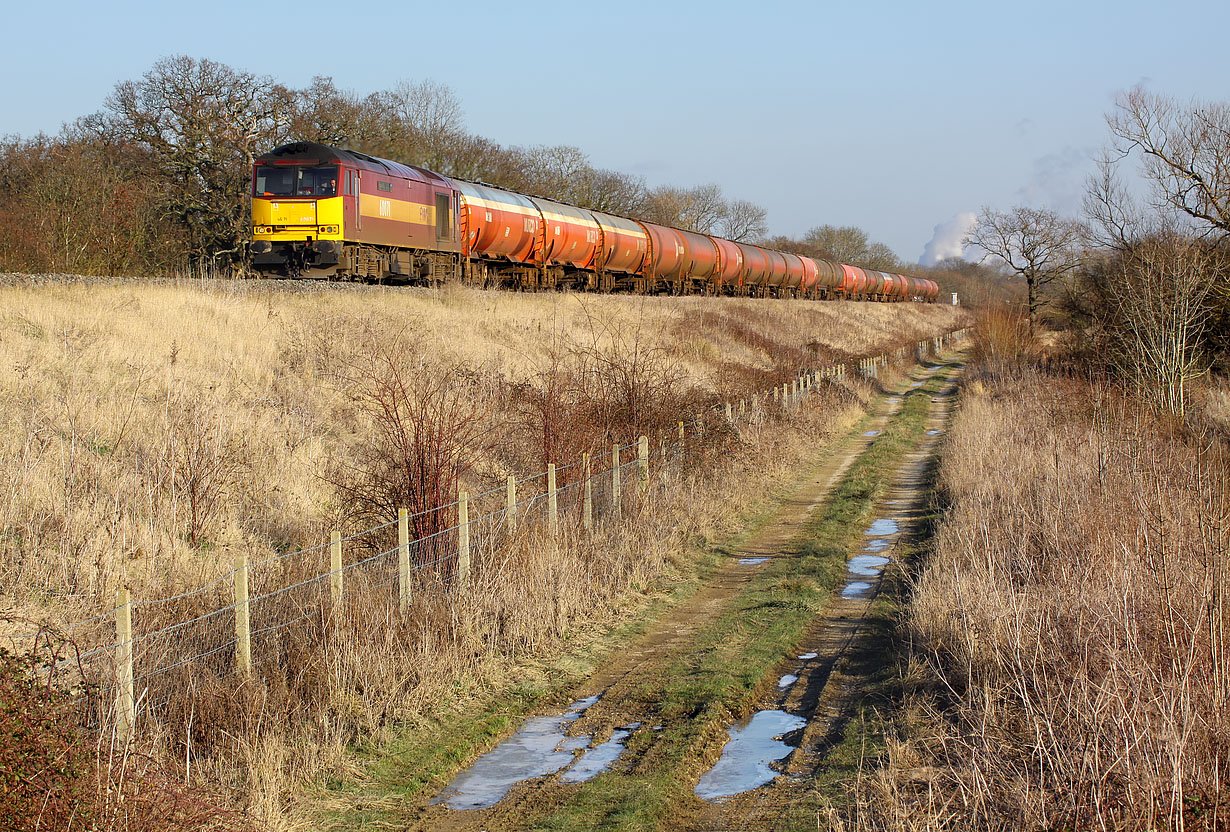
(319, 211)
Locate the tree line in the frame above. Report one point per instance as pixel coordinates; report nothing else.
(158, 179)
(1140, 283)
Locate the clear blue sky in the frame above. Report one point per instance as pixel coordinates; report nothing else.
(891, 116)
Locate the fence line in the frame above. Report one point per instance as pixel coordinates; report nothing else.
(123, 669)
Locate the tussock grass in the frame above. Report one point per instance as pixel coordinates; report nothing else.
(1067, 636)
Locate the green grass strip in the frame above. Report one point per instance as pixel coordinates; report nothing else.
(708, 688)
(719, 678)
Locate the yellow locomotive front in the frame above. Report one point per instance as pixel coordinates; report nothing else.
(297, 217)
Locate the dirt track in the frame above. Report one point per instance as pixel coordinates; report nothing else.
(827, 685)
(630, 683)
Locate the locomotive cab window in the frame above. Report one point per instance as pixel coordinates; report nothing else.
(444, 217)
(295, 180)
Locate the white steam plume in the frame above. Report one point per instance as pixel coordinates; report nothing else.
(946, 242)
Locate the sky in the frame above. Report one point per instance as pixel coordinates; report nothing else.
(901, 118)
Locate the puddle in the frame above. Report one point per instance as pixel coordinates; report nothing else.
(807, 656)
(599, 758)
(539, 748)
(752, 561)
(872, 433)
(856, 589)
(883, 526)
(745, 760)
(787, 680)
(932, 433)
(877, 545)
(917, 384)
(867, 565)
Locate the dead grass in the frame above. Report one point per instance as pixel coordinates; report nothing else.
(1068, 634)
(127, 409)
(149, 433)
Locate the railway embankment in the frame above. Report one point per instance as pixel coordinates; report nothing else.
(156, 437)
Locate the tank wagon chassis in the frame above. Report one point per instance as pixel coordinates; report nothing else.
(318, 211)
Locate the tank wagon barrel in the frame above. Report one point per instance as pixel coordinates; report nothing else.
(319, 211)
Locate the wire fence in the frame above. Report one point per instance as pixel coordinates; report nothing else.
(147, 656)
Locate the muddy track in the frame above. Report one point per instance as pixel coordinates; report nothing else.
(630, 683)
(829, 684)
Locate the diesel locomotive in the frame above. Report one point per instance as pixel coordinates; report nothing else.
(319, 211)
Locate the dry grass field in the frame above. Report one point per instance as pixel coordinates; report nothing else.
(1068, 637)
(150, 432)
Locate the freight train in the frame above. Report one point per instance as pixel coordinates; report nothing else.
(319, 211)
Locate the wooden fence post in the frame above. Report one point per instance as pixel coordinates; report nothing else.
(403, 559)
(642, 461)
(682, 435)
(463, 538)
(730, 417)
(243, 625)
(587, 508)
(510, 503)
(335, 568)
(617, 502)
(126, 707)
(552, 499)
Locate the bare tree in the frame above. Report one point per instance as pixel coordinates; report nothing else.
(845, 244)
(1186, 150)
(1034, 243)
(610, 191)
(554, 171)
(1184, 156)
(881, 258)
(697, 209)
(203, 124)
(323, 113)
(850, 244)
(743, 221)
(1159, 292)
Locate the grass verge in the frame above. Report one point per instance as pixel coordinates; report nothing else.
(384, 777)
(721, 677)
